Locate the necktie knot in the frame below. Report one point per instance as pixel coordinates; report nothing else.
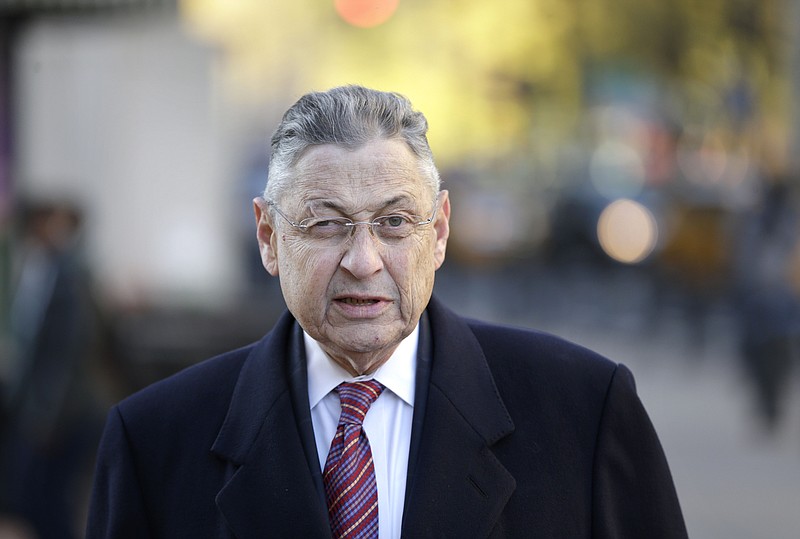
(356, 398)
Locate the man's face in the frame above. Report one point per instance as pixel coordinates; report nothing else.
(359, 299)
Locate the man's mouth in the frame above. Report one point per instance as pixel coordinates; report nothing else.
(358, 301)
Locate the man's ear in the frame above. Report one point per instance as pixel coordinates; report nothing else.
(265, 233)
(442, 227)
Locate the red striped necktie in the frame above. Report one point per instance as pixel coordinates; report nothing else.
(349, 475)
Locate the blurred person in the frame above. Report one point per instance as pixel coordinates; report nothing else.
(768, 295)
(51, 422)
(370, 409)
(695, 264)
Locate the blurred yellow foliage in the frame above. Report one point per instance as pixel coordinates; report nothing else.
(491, 75)
(470, 66)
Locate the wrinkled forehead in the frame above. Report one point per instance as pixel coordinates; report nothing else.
(380, 169)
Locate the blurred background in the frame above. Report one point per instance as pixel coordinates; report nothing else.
(624, 173)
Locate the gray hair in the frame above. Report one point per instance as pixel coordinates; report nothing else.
(347, 116)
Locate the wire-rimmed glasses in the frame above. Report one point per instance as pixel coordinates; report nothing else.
(388, 229)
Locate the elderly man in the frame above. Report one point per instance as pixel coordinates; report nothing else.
(370, 409)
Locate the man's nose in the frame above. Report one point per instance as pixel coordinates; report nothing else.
(363, 255)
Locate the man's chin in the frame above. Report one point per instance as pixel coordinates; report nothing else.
(365, 343)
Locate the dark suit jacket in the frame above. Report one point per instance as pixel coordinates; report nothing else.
(516, 434)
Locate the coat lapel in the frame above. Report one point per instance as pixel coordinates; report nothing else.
(273, 490)
(458, 487)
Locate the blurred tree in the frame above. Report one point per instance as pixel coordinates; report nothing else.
(490, 73)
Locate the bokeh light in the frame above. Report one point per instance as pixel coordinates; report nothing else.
(366, 13)
(616, 169)
(627, 231)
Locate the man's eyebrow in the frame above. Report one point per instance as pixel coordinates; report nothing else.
(333, 205)
(397, 200)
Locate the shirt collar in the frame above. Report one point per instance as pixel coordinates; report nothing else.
(397, 374)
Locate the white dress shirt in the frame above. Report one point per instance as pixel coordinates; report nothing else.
(387, 423)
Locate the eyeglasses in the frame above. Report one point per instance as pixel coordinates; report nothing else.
(332, 231)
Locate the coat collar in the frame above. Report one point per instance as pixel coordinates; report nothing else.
(456, 487)
(267, 445)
